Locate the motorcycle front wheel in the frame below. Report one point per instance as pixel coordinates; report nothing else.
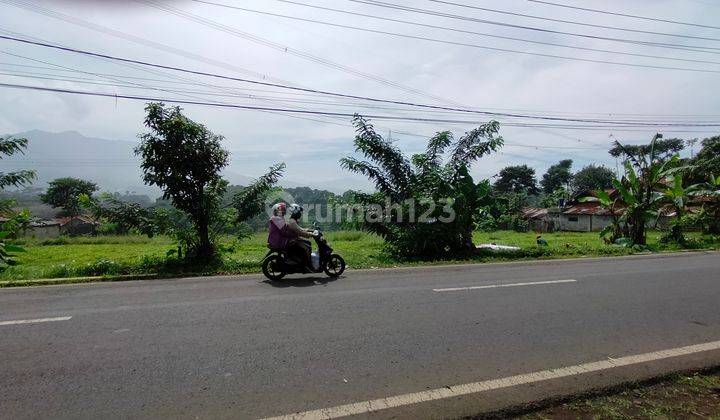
(272, 267)
(334, 266)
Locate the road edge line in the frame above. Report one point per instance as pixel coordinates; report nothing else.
(371, 406)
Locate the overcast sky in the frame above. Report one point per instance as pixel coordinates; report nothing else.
(353, 62)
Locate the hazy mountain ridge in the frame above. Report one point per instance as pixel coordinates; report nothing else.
(111, 164)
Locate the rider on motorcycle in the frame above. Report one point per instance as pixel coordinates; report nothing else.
(289, 235)
(297, 233)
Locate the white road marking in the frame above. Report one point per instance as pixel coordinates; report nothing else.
(492, 286)
(484, 386)
(35, 321)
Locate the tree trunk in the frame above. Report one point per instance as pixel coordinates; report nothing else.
(205, 247)
(637, 231)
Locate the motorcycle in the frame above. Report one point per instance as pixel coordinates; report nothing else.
(277, 263)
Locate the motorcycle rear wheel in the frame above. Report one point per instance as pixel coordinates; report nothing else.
(334, 266)
(272, 268)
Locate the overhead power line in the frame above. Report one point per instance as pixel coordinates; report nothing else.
(586, 9)
(359, 107)
(301, 94)
(35, 8)
(327, 113)
(289, 50)
(571, 22)
(464, 44)
(214, 75)
(525, 27)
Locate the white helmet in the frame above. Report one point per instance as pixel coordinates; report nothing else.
(295, 210)
(278, 209)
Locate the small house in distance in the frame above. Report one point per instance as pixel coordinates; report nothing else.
(581, 217)
(77, 225)
(576, 217)
(42, 229)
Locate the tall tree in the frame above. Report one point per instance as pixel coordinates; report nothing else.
(641, 189)
(706, 163)
(557, 176)
(184, 158)
(592, 178)
(64, 193)
(516, 179)
(664, 149)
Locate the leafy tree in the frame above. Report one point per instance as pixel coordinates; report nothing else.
(553, 199)
(435, 186)
(662, 150)
(706, 162)
(591, 178)
(8, 147)
(16, 220)
(557, 176)
(249, 201)
(516, 179)
(64, 192)
(184, 158)
(709, 215)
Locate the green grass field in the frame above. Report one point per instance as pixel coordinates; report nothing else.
(118, 255)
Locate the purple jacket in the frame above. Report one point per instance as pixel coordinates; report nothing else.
(278, 235)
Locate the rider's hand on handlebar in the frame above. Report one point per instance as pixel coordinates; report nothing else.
(316, 233)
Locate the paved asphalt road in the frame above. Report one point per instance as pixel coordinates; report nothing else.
(239, 347)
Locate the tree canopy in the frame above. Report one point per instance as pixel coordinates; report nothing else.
(592, 178)
(64, 193)
(516, 179)
(663, 150)
(184, 158)
(706, 163)
(557, 176)
(8, 147)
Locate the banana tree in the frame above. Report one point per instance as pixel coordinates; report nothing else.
(613, 204)
(641, 189)
(676, 195)
(709, 215)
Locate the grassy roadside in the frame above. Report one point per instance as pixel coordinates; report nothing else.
(137, 255)
(679, 396)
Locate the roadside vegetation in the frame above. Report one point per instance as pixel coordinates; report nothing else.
(135, 254)
(426, 208)
(680, 396)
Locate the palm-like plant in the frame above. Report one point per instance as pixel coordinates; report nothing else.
(641, 191)
(676, 195)
(436, 184)
(709, 215)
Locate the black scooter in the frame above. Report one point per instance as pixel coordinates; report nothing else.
(277, 263)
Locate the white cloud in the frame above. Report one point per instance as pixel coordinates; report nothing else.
(470, 76)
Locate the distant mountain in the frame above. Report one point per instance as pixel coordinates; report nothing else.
(109, 163)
